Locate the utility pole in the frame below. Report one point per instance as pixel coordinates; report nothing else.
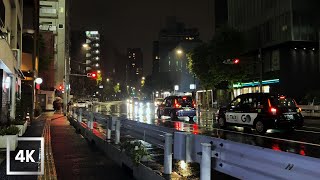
(261, 70)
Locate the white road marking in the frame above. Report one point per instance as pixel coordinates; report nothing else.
(287, 140)
(311, 127)
(301, 130)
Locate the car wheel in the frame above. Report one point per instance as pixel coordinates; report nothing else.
(173, 115)
(159, 114)
(260, 127)
(221, 122)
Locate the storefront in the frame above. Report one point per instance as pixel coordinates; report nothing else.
(268, 86)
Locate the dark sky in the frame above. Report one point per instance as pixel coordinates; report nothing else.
(136, 23)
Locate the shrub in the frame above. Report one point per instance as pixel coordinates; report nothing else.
(135, 150)
(10, 130)
(17, 122)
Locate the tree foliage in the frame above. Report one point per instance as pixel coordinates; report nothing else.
(206, 61)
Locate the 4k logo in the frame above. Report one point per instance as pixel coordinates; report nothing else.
(26, 156)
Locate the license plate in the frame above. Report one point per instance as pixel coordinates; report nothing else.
(289, 116)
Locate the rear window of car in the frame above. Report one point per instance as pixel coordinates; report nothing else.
(185, 101)
(282, 102)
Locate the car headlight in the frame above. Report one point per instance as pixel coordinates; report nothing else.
(148, 104)
(141, 104)
(128, 100)
(136, 103)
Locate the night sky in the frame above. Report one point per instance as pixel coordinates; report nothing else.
(136, 23)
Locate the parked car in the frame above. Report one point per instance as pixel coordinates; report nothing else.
(177, 106)
(261, 111)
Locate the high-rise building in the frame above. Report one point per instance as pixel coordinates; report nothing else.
(92, 46)
(135, 66)
(284, 33)
(170, 55)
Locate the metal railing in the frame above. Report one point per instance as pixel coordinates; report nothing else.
(310, 110)
(242, 161)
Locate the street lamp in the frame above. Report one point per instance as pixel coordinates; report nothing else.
(108, 79)
(179, 51)
(85, 45)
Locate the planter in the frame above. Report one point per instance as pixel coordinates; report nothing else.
(12, 139)
(21, 129)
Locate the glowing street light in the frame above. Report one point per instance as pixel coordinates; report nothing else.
(179, 51)
(85, 45)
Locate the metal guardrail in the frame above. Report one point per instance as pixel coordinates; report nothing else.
(150, 133)
(242, 161)
(310, 110)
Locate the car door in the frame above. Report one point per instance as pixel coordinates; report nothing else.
(168, 106)
(248, 110)
(233, 111)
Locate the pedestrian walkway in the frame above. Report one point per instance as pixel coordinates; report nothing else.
(75, 158)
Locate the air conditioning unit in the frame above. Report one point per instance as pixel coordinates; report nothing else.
(17, 54)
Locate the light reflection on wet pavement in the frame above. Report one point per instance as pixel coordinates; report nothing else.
(299, 142)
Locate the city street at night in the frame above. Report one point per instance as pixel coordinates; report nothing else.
(159, 90)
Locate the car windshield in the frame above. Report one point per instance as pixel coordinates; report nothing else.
(282, 102)
(185, 101)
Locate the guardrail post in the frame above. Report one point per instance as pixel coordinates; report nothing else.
(168, 154)
(80, 115)
(90, 121)
(205, 166)
(109, 128)
(188, 147)
(117, 138)
(74, 113)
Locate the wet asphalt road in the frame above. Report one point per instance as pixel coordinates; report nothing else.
(305, 141)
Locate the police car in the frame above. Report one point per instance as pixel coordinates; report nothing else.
(261, 111)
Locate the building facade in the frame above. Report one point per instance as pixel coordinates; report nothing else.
(170, 55)
(134, 69)
(54, 17)
(282, 37)
(11, 24)
(92, 47)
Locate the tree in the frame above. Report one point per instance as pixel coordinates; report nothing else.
(206, 61)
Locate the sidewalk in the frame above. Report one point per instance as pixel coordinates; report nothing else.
(75, 158)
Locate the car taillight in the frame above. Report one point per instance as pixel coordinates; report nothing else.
(273, 111)
(176, 104)
(299, 110)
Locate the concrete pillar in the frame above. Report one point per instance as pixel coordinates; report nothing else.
(13, 96)
(168, 154)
